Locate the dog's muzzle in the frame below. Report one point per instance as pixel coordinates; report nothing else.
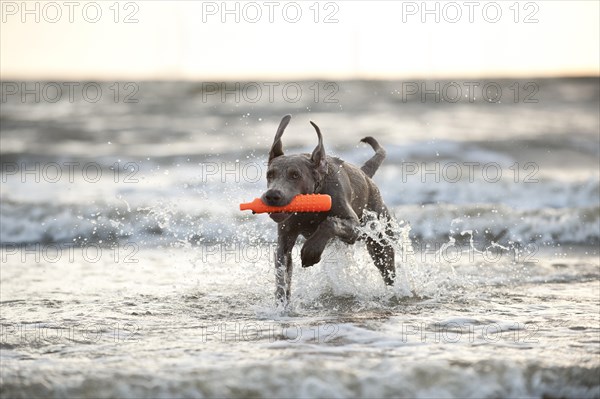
(273, 197)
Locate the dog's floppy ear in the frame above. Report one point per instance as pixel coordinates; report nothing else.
(318, 154)
(277, 147)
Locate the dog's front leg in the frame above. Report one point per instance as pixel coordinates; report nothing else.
(283, 264)
(343, 228)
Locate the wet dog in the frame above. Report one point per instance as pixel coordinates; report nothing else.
(352, 194)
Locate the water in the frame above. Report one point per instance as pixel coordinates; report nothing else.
(133, 273)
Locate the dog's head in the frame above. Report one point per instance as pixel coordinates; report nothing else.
(290, 175)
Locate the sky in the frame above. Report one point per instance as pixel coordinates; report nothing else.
(194, 40)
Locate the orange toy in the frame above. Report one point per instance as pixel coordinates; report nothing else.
(300, 203)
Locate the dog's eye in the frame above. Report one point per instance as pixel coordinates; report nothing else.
(270, 175)
(294, 175)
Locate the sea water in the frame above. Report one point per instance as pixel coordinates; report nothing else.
(128, 270)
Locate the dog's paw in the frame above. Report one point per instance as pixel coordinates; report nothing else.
(311, 253)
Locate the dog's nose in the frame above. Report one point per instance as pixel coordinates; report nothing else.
(273, 197)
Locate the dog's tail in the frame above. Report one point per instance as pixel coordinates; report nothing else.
(371, 166)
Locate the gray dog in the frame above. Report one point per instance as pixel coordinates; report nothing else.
(352, 192)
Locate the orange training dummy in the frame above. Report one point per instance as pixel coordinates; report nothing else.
(300, 203)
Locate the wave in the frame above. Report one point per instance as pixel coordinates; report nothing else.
(290, 378)
(176, 222)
